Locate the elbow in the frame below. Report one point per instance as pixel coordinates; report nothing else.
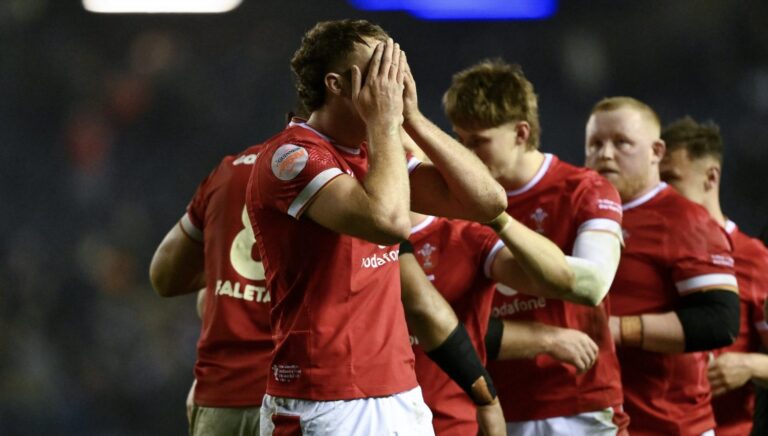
(393, 229)
(493, 205)
(159, 283)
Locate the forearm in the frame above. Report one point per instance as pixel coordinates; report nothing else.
(541, 260)
(524, 340)
(583, 278)
(661, 332)
(758, 363)
(466, 177)
(387, 182)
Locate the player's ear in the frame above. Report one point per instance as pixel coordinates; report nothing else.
(713, 177)
(658, 148)
(523, 132)
(335, 84)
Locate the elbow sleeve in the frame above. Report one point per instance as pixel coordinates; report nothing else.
(710, 319)
(594, 262)
(493, 338)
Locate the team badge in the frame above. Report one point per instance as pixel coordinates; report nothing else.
(538, 216)
(288, 161)
(427, 260)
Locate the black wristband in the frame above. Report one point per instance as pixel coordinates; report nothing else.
(493, 338)
(710, 319)
(458, 358)
(405, 247)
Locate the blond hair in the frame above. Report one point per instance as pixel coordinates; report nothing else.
(613, 103)
(490, 94)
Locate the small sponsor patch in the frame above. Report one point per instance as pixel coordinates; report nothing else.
(605, 204)
(288, 161)
(722, 260)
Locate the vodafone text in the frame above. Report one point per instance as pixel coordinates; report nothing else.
(376, 260)
(248, 293)
(519, 306)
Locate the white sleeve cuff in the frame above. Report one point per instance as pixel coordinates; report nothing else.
(491, 256)
(693, 284)
(308, 193)
(190, 229)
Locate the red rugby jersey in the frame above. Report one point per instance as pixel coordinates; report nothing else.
(559, 202)
(456, 257)
(673, 248)
(337, 319)
(734, 409)
(233, 352)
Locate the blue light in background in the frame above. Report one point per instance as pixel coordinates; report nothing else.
(465, 9)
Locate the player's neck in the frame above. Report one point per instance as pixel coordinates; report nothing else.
(329, 123)
(417, 218)
(522, 169)
(712, 204)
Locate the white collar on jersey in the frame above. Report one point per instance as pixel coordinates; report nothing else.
(645, 197)
(422, 225)
(303, 124)
(536, 178)
(730, 226)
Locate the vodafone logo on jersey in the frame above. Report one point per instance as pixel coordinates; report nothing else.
(288, 161)
(377, 260)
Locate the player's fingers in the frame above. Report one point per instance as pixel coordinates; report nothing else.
(395, 66)
(401, 65)
(386, 58)
(356, 82)
(375, 63)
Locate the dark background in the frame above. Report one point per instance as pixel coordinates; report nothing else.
(108, 122)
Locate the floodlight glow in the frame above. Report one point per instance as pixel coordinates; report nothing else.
(161, 6)
(465, 9)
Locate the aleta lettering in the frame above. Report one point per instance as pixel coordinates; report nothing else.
(249, 292)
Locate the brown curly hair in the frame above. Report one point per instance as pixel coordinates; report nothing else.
(324, 48)
(700, 139)
(492, 93)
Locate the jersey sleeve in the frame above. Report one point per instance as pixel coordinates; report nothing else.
(485, 243)
(290, 177)
(597, 206)
(759, 294)
(701, 253)
(193, 221)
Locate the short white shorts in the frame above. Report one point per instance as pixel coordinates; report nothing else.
(584, 424)
(403, 414)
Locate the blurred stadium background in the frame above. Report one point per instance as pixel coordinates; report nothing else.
(108, 122)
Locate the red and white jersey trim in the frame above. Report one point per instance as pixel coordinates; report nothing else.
(413, 163)
(730, 226)
(309, 191)
(536, 178)
(190, 229)
(645, 197)
(491, 256)
(693, 284)
(603, 225)
(423, 225)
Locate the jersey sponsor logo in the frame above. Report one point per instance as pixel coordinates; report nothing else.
(288, 161)
(425, 253)
(248, 293)
(722, 260)
(538, 216)
(286, 373)
(606, 204)
(246, 159)
(376, 260)
(518, 306)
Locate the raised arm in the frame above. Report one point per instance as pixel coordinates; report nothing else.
(177, 267)
(534, 265)
(376, 210)
(456, 184)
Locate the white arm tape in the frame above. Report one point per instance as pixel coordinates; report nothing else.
(594, 262)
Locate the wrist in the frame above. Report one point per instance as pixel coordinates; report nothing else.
(412, 117)
(631, 331)
(500, 223)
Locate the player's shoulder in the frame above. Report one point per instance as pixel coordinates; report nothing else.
(683, 212)
(750, 248)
